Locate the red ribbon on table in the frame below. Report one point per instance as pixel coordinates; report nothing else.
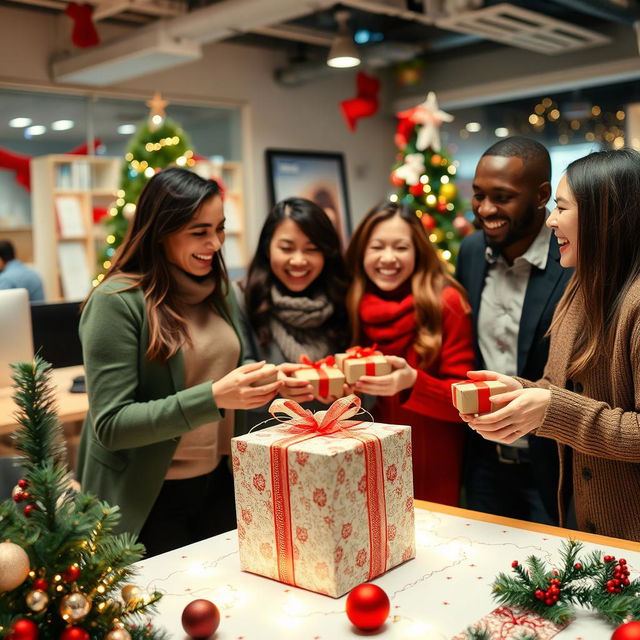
(320, 366)
(332, 423)
(484, 393)
(358, 353)
(512, 620)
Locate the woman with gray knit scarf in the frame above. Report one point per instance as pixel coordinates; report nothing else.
(292, 302)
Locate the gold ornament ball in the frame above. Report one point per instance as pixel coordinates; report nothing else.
(119, 633)
(74, 606)
(131, 593)
(448, 191)
(37, 600)
(14, 566)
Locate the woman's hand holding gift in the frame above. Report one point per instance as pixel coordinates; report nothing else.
(293, 388)
(236, 390)
(521, 410)
(402, 376)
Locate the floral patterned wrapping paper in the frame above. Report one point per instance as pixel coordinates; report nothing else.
(510, 623)
(324, 512)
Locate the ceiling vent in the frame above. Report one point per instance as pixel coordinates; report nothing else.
(523, 28)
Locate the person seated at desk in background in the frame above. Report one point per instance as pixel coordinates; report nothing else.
(16, 275)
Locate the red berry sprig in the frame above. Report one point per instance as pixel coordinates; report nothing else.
(620, 578)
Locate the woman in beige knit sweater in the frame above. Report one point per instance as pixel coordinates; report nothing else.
(589, 397)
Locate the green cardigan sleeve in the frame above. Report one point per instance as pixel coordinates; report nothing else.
(133, 402)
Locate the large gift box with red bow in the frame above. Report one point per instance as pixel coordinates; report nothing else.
(472, 396)
(362, 361)
(324, 502)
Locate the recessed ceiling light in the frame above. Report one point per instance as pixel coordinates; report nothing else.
(19, 123)
(473, 127)
(62, 125)
(35, 130)
(501, 132)
(126, 129)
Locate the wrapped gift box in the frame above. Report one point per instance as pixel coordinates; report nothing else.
(362, 361)
(507, 623)
(267, 379)
(324, 511)
(473, 396)
(325, 378)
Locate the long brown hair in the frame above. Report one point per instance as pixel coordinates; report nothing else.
(605, 186)
(167, 203)
(430, 277)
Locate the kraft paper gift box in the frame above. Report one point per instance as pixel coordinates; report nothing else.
(473, 396)
(362, 361)
(323, 510)
(268, 379)
(325, 378)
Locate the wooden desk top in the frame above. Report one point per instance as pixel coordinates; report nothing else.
(71, 406)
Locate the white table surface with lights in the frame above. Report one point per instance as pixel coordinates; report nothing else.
(433, 597)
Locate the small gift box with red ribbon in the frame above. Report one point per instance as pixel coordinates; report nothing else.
(472, 396)
(510, 623)
(325, 378)
(362, 361)
(324, 501)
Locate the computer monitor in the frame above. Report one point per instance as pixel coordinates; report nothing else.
(55, 332)
(16, 343)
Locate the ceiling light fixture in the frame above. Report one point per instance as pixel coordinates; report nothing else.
(62, 125)
(19, 123)
(473, 127)
(126, 129)
(343, 52)
(35, 130)
(501, 132)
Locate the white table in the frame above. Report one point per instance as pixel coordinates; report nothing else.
(441, 592)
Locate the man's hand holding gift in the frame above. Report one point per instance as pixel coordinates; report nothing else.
(402, 376)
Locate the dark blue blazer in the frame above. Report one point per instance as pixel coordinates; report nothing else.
(544, 290)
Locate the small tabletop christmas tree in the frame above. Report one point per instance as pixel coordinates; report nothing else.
(424, 176)
(64, 574)
(158, 143)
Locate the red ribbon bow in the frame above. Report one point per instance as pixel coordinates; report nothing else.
(329, 361)
(334, 419)
(363, 352)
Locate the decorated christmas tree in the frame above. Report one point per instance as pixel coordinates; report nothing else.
(64, 574)
(424, 176)
(158, 143)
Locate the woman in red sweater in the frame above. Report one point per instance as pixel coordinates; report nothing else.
(403, 299)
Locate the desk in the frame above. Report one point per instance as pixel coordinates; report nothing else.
(433, 597)
(71, 406)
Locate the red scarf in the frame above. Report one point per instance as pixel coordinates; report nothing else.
(389, 322)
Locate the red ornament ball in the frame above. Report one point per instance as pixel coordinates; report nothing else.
(416, 189)
(72, 573)
(428, 221)
(22, 483)
(200, 618)
(28, 509)
(627, 631)
(396, 181)
(40, 584)
(24, 629)
(367, 606)
(74, 633)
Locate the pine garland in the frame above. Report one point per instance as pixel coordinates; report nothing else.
(596, 582)
(67, 535)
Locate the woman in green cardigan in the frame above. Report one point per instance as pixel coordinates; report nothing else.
(162, 354)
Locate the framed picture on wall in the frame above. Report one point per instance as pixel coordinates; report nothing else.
(317, 176)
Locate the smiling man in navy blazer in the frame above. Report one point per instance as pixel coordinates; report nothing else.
(512, 273)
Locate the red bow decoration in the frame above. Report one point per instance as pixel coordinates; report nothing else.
(362, 352)
(84, 32)
(365, 104)
(329, 361)
(335, 418)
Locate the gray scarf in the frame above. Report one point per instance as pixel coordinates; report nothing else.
(297, 325)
